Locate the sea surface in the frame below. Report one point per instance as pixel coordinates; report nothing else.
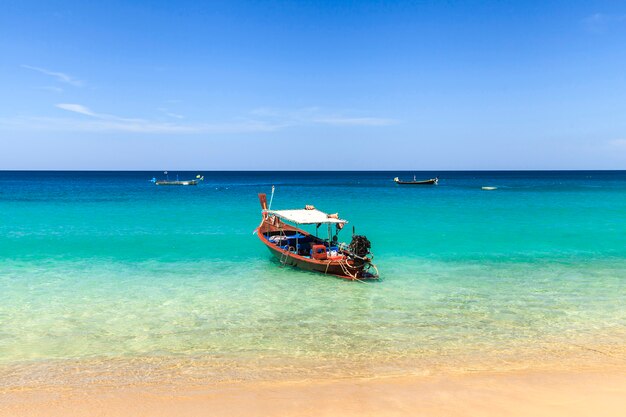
(104, 271)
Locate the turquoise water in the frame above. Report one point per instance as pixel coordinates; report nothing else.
(107, 265)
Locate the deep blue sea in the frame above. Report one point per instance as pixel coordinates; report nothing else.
(108, 266)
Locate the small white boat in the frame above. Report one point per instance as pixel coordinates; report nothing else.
(489, 188)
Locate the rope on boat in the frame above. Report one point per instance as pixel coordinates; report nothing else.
(344, 266)
(374, 266)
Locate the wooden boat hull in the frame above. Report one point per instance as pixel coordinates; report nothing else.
(190, 182)
(427, 182)
(344, 268)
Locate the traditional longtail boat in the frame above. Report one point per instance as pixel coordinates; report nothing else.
(296, 247)
(177, 181)
(432, 181)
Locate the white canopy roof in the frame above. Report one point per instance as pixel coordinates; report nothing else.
(302, 216)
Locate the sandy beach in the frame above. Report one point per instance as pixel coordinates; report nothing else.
(481, 394)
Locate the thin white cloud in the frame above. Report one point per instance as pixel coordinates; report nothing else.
(601, 22)
(315, 115)
(80, 109)
(139, 126)
(170, 114)
(263, 120)
(618, 143)
(60, 76)
(355, 121)
(50, 88)
(304, 113)
(94, 125)
(77, 108)
(100, 122)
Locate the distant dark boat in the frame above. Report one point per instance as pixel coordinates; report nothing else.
(432, 181)
(167, 181)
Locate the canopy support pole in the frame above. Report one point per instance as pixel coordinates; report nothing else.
(329, 235)
(271, 198)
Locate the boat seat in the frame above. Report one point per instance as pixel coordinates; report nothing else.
(319, 252)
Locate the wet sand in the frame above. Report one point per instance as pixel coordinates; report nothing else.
(511, 394)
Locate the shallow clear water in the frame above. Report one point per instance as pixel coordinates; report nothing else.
(107, 265)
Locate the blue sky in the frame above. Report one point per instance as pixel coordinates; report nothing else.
(313, 85)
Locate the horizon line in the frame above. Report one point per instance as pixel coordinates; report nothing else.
(313, 170)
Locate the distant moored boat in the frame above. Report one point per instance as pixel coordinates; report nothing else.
(167, 181)
(432, 181)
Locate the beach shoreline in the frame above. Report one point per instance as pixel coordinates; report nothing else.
(515, 393)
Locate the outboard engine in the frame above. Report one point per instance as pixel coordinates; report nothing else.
(360, 246)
